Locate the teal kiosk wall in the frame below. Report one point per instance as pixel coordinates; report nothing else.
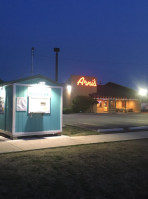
(31, 106)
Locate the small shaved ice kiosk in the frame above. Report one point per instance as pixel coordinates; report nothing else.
(31, 106)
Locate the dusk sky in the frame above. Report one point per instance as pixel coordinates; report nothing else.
(103, 38)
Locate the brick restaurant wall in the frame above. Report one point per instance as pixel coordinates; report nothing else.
(133, 104)
(77, 90)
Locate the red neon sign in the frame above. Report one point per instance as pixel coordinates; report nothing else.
(82, 81)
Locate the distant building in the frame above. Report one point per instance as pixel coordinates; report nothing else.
(76, 86)
(111, 97)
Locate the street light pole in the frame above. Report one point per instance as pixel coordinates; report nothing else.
(32, 55)
(56, 50)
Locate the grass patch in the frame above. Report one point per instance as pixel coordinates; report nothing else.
(77, 131)
(106, 171)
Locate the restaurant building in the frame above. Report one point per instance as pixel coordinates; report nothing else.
(111, 97)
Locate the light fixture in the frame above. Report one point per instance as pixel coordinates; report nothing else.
(143, 92)
(42, 83)
(69, 88)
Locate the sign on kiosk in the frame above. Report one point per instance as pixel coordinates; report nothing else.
(39, 105)
(39, 99)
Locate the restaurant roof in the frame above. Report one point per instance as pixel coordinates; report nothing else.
(112, 90)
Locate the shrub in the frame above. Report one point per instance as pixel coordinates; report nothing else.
(82, 104)
(67, 110)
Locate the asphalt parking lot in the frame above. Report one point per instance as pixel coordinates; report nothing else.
(107, 120)
(103, 121)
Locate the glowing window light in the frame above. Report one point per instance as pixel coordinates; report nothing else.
(82, 81)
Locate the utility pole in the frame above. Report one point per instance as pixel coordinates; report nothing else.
(32, 56)
(56, 50)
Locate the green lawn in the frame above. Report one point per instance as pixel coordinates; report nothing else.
(77, 131)
(116, 170)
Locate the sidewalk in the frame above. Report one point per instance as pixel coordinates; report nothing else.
(7, 146)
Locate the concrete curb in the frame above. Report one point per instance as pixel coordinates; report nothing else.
(110, 130)
(123, 129)
(138, 128)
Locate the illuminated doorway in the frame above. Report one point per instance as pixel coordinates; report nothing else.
(105, 106)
